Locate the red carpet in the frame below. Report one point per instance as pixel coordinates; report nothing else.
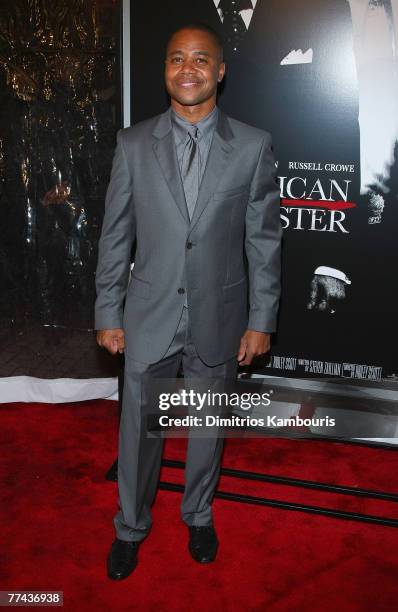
(57, 510)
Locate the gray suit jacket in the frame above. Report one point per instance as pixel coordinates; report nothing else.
(236, 215)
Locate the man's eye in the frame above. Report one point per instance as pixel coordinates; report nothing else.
(176, 60)
(201, 60)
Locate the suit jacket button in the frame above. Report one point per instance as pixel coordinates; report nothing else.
(189, 245)
(181, 290)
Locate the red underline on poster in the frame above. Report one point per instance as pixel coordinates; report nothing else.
(340, 205)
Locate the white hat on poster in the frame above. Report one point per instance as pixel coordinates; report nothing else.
(326, 271)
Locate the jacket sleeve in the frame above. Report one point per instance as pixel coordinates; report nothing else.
(263, 242)
(114, 248)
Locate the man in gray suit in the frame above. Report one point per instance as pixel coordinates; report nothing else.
(195, 191)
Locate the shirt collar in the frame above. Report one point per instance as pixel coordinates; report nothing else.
(205, 125)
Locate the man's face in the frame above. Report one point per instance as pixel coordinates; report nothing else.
(193, 67)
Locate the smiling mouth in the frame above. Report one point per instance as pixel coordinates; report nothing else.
(188, 84)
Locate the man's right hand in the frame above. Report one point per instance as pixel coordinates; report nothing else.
(112, 340)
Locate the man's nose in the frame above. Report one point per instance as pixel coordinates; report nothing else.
(188, 65)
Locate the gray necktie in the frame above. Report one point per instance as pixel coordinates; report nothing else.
(190, 169)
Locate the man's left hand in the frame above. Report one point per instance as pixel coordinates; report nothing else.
(252, 344)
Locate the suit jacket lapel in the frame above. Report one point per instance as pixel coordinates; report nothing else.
(216, 165)
(165, 152)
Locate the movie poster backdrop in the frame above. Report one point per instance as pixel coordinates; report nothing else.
(322, 77)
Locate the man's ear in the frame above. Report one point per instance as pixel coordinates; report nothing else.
(221, 72)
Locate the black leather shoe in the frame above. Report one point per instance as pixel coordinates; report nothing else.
(203, 543)
(122, 559)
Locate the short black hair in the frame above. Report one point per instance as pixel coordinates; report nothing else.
(203, 27)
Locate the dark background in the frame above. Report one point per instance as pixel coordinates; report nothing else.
(60, 98)
(60, 108)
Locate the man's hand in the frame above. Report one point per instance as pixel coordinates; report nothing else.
(252, 344)
(111, 339)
